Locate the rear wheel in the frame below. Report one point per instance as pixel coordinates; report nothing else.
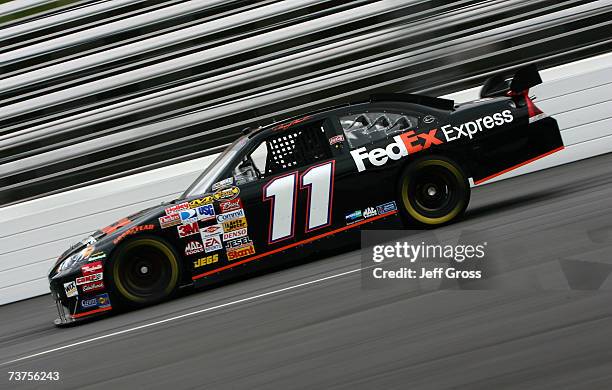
(144, 271)
(433, 191)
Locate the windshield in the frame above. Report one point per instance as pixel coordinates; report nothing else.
(203, 183)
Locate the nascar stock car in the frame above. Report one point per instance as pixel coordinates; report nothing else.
(280, 191)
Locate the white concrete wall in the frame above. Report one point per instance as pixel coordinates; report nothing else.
(34, 233)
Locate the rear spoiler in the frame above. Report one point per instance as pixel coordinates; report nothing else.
(434, 102)
(524, 78)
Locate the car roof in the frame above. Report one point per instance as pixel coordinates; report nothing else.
(424, 101)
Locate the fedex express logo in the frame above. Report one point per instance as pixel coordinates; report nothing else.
(409, 142)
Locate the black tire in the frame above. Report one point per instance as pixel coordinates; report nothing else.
(433, 191)
(143, 271)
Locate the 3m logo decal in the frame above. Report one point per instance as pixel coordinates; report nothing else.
(188, 230)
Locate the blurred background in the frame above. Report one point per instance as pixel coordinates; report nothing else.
(107, 107)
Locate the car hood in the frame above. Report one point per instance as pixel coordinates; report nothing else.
(103, 235)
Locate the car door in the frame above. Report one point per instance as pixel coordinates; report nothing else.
(287, 181)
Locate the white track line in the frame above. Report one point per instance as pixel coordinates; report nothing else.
(106, 336)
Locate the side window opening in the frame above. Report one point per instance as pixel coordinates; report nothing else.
(288, 149)
(364, 128)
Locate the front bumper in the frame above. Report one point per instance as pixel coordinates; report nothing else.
(82, 304)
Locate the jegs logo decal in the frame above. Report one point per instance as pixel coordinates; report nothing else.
(206, 261)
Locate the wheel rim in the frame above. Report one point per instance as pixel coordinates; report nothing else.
(433, 194)
(146, 270)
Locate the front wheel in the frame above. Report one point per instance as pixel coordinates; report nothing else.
(144, 271)
(433, 191)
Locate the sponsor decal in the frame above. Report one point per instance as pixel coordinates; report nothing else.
(223, 184)
(188, 230)
(206, 261)
(167, 221)
(92, 268)
(174, 209)
(71, 289)
(410, 142)
(212, 230)
(370, 212)
(227, 193)
(353, 217)
(429, 119)
(188, 216)
(234, 224)
(452, 133)
(100, 301)
(117, 225)
(89, 278)
(133, 230)
(193, 247)
(337, 139)
(87, 252)
(206, 199)
(87, 288)
(97, 256)
(238, 242)
(287, 125)
(231, 215)
(234, 234)
(212, 243)
(406, 143)
(206, 212)
(386, 207)
(230, 205)
(241, 251)
(90, 240)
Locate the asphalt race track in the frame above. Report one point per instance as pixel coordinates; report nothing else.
(273, 332)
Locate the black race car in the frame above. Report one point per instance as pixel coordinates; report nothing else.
(279, 192)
